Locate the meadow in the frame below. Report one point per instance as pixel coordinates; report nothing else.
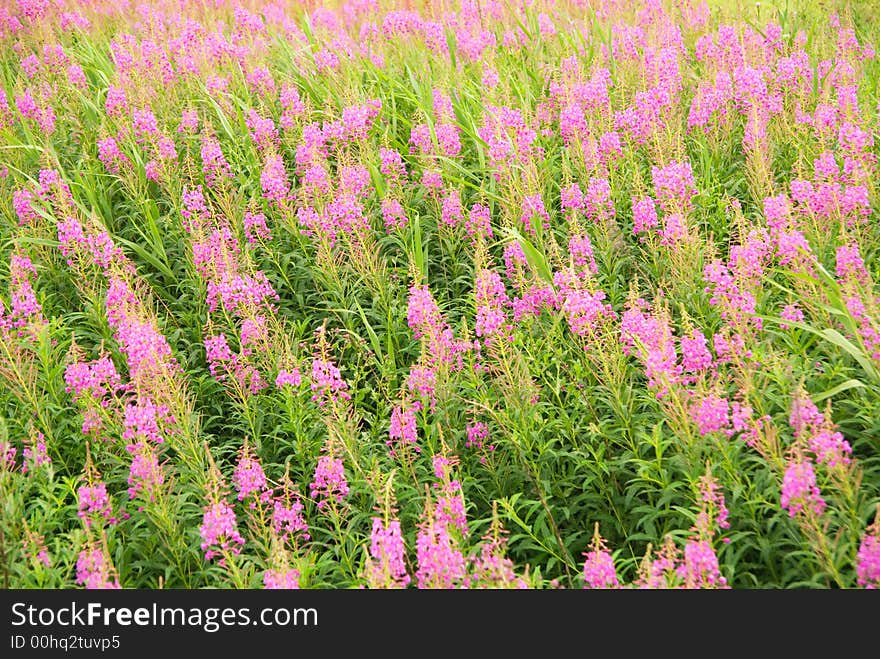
(403, 294)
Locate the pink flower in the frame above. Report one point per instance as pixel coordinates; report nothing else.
(820, 433)
(327, 382)
(644, 215)
(94, 571)
(262, 130)
(387, 565)
(597, 200)
(422, 382)
(288, 520)
(699, 568)
(273, 180)
(249, 477)
(479, 222)
(145, 473)
(403, 428)
(292, 378)
(476, 435)
(599, 571)
(281, 579)
(492, 304)
(26, 309)
(868, 558)
(7, 456)
(189, 121)
(710, 414)
(293, 106)
(452, 212)
(800, 494)
(674, 185)
(534, 213)
(329, 482)
(695, 356)
(490, 568)
(94, 503)
(111, 155)
(441, 563)
(674, 229)
(115, 103)
(393, 214)
(215, 168)
(490, 77)
(584, 310)
(448, 139)
(143, 419)
(145, 124)
(35, 455)
(219, 531)
(581, 250)
(392, 166)
(255, 228)
(713, 510)
(146, 350)
(428, 324)
(791, 312)
(22, 204)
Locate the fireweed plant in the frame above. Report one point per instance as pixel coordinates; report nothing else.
(367, 294)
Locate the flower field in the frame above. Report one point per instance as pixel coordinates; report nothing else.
(402, 294)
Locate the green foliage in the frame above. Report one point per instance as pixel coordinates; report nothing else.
(579, 431)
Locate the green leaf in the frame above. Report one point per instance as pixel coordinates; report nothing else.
(852, 383)
(835, 338)
(534, 256)
(146, 255)
(374, 339)
(418, 251)
(859, 355)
